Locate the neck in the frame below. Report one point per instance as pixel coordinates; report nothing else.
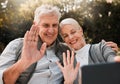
(80, 46)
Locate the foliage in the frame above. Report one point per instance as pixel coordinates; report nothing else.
(105, 21)
(99, 19)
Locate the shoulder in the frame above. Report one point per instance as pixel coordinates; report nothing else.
(15, 44)
(100, 44)
(13, 48)
(17, 40)
(63, 46)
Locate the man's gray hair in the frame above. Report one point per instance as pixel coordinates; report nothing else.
(69, 21)
(46, 10)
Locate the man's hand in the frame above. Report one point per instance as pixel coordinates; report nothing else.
(112, 45)
(30, 53)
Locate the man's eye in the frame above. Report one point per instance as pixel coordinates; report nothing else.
(46, 25)
(55, 25)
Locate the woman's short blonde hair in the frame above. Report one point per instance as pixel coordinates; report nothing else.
(69, 21)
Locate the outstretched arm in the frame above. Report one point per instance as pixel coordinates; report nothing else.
(68, 70)
(30, 54)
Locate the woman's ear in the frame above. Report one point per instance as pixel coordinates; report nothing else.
(81, 31)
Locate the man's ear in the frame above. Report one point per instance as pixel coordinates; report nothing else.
(34, 23)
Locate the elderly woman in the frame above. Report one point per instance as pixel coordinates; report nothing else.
(86, 54)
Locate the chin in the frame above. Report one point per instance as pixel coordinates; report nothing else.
(75, 47)
(49, 44)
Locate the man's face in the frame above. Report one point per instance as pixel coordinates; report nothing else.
(48, 28)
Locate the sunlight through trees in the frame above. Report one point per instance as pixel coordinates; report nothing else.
(100, 18)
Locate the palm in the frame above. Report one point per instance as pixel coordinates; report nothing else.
(30, 52)
(69, 72)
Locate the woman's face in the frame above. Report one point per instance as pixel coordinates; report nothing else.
(73, 36)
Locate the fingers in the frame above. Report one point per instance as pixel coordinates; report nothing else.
(64, 59)
(117, 59)
(26, 37)
(43, 48)
(115, 49)
(67, 59)
(113, 46)
(31, 37)
(34, 33)
(72, 58)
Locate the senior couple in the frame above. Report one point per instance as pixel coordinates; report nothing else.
(39, 57)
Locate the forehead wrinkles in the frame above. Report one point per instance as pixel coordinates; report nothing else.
(49, 18)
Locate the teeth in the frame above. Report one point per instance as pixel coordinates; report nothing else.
(50, 35)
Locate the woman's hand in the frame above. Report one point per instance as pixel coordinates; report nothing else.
(68, 70)
(117, 59)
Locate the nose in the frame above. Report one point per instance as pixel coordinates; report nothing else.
(51, 30)
(70, 36)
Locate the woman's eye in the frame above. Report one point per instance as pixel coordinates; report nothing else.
(73, 32)
(64, 36)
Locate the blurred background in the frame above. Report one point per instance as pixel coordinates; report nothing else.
(100, 19)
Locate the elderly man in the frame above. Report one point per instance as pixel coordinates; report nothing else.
(37, 53)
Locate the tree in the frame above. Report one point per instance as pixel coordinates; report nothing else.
(99, 19)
